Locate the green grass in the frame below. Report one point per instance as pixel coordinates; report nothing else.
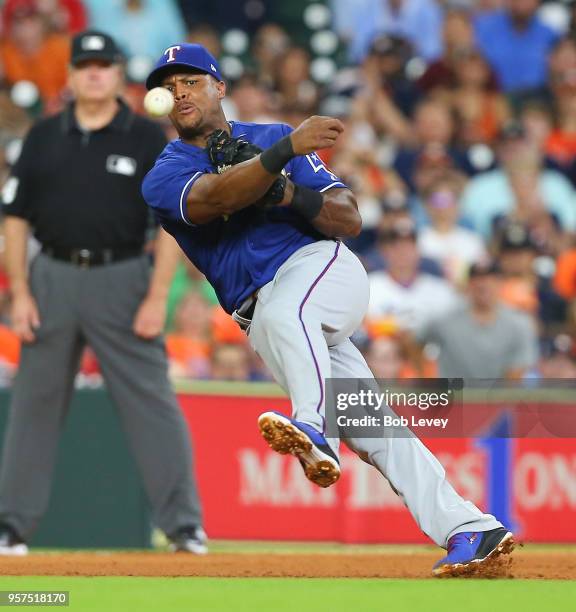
(291, 595)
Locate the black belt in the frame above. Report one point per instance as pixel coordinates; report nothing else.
(88, 258)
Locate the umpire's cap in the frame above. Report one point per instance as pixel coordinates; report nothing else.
(94, 45)
(184, 55)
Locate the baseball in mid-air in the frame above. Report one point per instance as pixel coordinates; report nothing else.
(158, 102)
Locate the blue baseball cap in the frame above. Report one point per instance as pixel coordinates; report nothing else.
(183, 55)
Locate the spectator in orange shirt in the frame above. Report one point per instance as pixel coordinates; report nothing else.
(29, 52)
(565, 279)
(189, 345)
(565, 282)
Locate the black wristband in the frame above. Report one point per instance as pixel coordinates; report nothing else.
(306, 202)
(274, 158)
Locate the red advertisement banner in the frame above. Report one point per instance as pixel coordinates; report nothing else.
(250, 492)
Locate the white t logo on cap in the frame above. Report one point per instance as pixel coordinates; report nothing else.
(93, 43)
(170, 52)
(213, 67)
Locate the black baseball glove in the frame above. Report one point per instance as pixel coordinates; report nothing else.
(225, 151)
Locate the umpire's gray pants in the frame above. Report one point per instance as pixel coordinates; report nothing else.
(94, 306)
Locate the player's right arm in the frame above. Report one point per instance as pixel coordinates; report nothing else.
(216, 195)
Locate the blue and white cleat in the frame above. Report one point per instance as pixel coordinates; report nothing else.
(287, 436)
(469, 551)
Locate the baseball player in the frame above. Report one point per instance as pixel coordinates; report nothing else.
(255, 209)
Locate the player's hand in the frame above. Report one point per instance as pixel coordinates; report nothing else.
(25, 316)
(149, 320)
(315, 133)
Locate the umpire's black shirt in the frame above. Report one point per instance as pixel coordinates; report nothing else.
(81, 189)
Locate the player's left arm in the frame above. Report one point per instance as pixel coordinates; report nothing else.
(336, 214)
(151, 315)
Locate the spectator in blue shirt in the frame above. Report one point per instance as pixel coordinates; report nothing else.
(516, 43)
(521, 189)
(419, 21)
(142, 27)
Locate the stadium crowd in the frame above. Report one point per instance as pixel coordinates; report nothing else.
(460, 146)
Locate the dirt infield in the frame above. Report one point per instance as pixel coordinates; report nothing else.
(525, 564)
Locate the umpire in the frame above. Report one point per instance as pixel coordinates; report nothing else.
(77, 185)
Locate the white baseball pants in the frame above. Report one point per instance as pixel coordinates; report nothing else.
(301, 328)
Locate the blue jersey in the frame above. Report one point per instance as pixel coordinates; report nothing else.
(241, 253)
